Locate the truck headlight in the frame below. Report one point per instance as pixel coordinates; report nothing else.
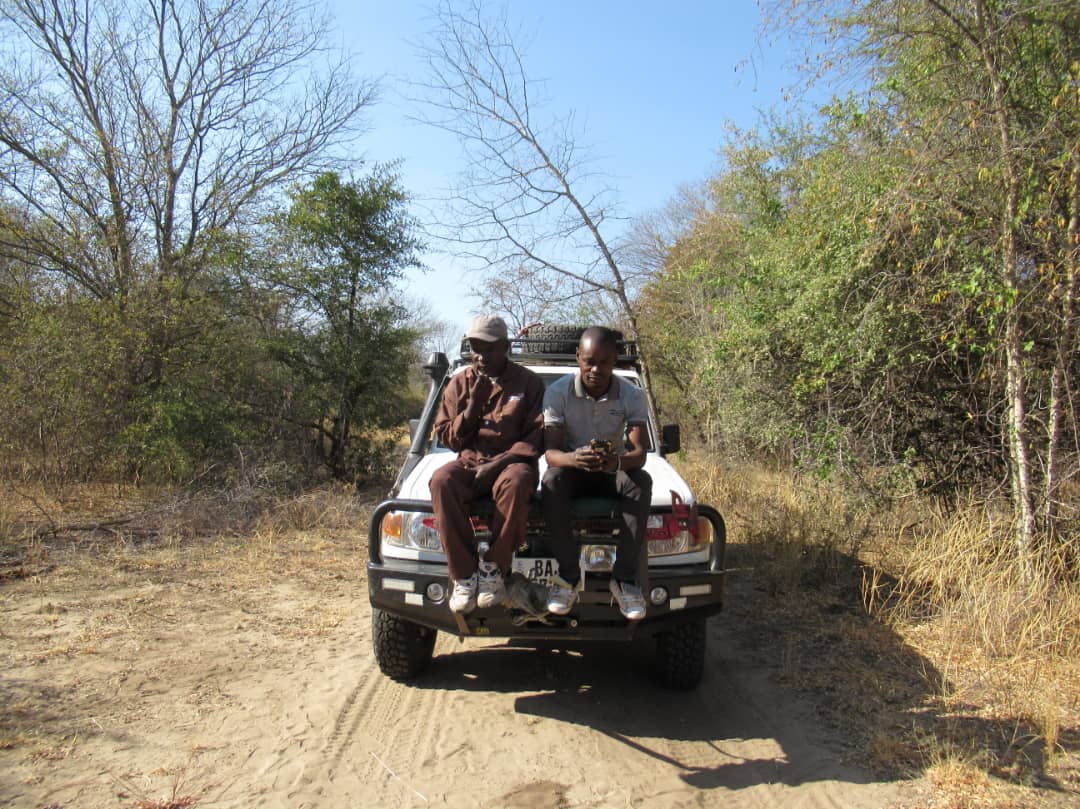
(669, 534)
(411, 529)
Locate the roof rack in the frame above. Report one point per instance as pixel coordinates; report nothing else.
(539, 351)
(556, 344)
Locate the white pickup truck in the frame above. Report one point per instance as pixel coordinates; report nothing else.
(681, 569)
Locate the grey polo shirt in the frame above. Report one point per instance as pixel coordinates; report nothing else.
(567, 405)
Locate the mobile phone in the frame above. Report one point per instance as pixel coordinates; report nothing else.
(603, 447)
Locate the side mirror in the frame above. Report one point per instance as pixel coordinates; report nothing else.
(436, 366)
(670, 440)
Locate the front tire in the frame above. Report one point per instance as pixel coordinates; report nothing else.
(402, 649)
(679, 662)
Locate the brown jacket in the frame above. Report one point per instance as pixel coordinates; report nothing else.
(512, 422)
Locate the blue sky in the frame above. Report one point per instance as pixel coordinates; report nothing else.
(651, 86)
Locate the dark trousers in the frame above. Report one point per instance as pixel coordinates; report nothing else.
(452, 492)
(633, 489)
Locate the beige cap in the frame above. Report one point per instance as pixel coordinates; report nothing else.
(490, 328)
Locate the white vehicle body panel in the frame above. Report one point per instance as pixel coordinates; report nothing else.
(665, 479)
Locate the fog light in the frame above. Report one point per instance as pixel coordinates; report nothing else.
(597, 558)
(658, 595)
(435, 592)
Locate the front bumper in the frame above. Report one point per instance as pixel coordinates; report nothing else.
(400, 587)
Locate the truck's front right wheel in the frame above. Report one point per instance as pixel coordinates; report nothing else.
(402, 649)
(679, 661)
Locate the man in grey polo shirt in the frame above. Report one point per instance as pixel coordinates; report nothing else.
(594, 405)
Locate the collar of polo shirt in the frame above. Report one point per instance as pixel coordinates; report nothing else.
(581, 393)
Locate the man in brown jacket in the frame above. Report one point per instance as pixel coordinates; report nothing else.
(491, 415)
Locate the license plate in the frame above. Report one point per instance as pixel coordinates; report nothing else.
(542, 570)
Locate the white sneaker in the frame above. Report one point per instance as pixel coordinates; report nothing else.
(492, 586)
(631, 601)
(561, 597)
(463, 597)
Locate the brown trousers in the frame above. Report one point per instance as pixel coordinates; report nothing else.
(452, 492)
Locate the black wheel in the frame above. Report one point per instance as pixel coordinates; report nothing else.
(680, 656)
(557, 338)
(402, 649)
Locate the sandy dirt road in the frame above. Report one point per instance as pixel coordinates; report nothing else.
(231, 678)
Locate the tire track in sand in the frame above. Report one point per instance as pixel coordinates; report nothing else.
(351, 715)
(383, 732)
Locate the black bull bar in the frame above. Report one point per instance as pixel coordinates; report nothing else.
(595, 618)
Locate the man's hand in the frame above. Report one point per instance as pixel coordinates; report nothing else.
(610, 462)
(479, 394)
(485, 477)
(482, 387)
(588, 459)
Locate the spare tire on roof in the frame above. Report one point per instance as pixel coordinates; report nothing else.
(556, 338)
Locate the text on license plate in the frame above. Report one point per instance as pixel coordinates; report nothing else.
(541, 570)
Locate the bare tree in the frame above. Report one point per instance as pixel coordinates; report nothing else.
(434, 333)
(527, 202)
(654, 236)
(135, 132)
(527, 298)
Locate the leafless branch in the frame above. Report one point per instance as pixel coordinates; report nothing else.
(134, 132)
(526, 203)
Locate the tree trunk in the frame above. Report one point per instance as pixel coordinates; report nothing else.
(1019, 450)
(643, 355)
(1060, 400)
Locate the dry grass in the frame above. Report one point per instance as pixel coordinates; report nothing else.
(179, 791)
(40, 528)
(916, 629)
(221, 542)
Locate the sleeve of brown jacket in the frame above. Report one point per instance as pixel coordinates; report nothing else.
(450, 424)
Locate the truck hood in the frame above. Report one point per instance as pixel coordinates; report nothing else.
(665, 479)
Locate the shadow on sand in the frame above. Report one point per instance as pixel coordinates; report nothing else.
(816, 688)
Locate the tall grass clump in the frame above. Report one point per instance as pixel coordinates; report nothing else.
(964, 568)
(793, 529)
(939, 636)
(1007, 632)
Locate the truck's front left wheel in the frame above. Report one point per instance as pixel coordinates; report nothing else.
(402, 649)
(680, 656)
